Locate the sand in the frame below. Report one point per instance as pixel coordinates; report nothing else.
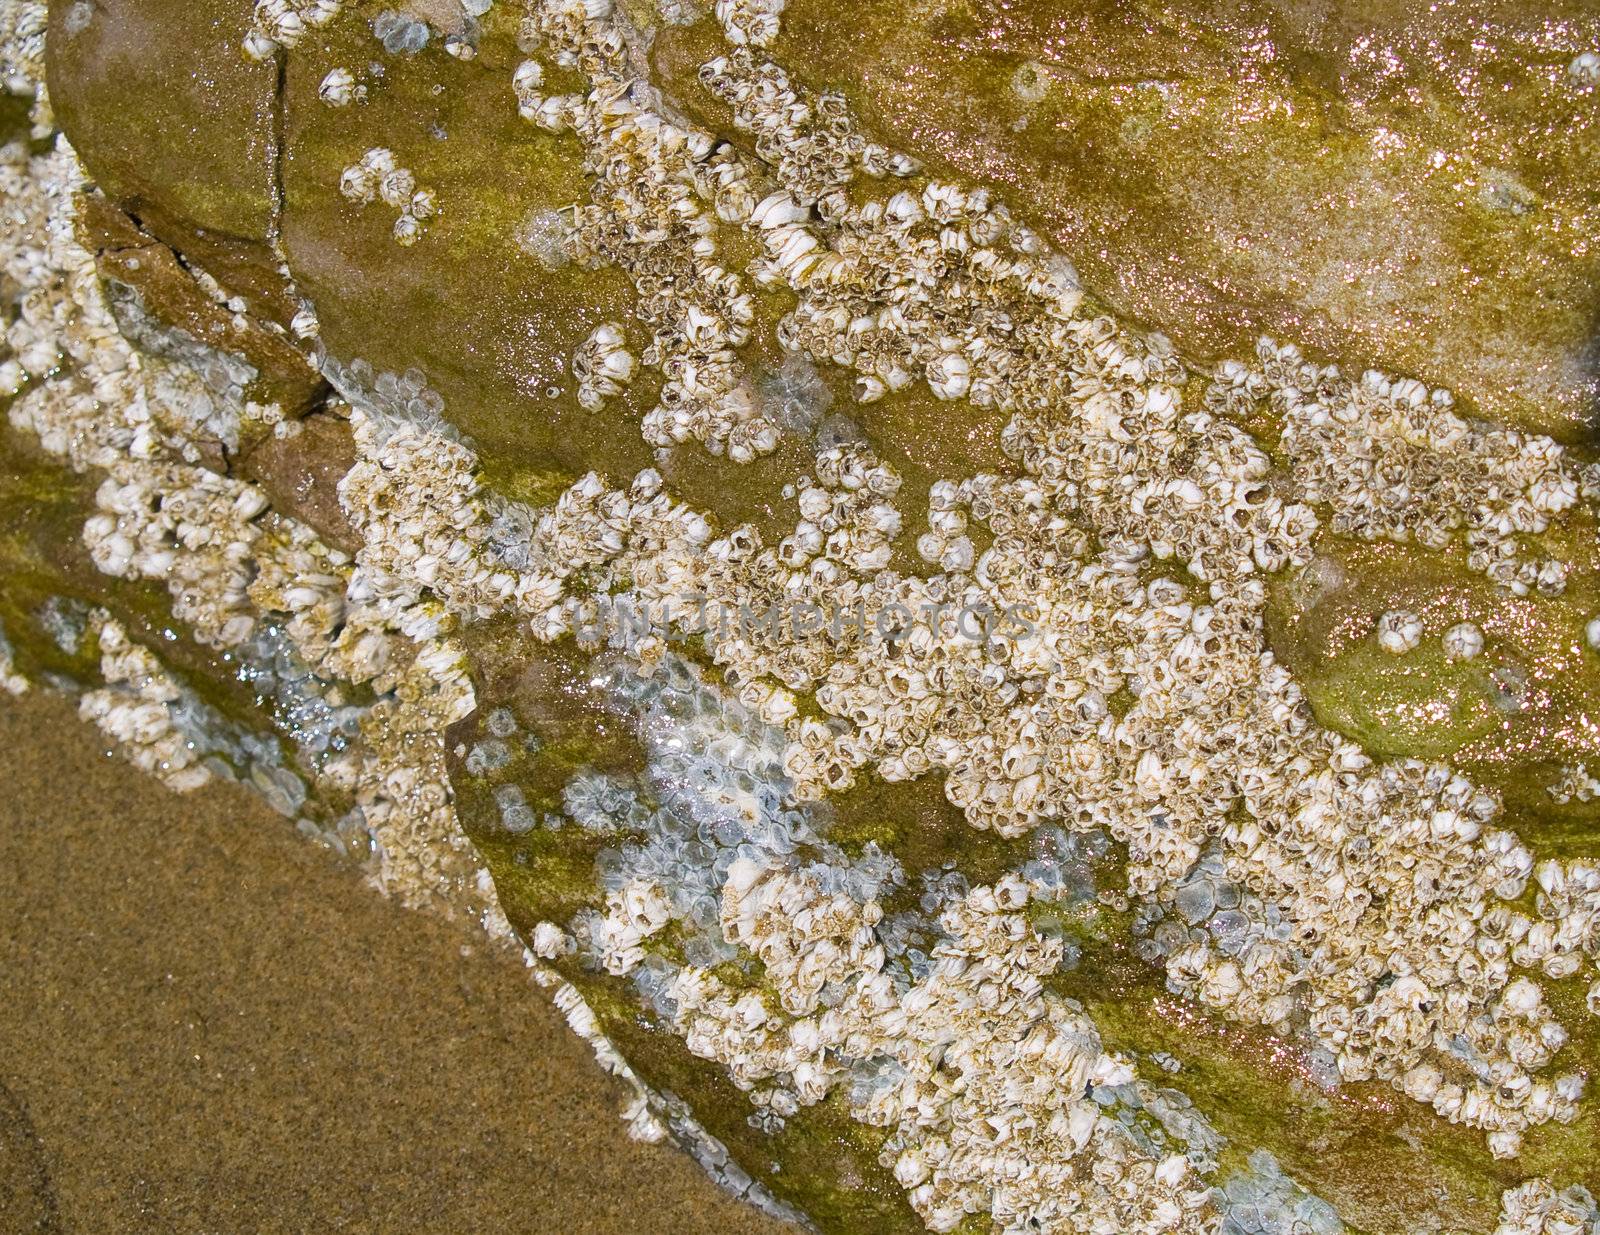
(207, 1024)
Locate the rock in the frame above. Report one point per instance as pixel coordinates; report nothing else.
(1364, 183)
(1383, 182)
(179, 129)
(52, 585)
(491, 326)
(149, 273)
(300, 473)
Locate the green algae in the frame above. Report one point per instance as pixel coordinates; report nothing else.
(1512, 718)
(914, 821)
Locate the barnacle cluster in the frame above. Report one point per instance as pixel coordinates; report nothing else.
(744, 874)
(229, 562)
(643, 166)
(1387, 882)
(603, 365)
(1536, 1208)
(378, 175)
(1395, 460)
(159, 729)
(278, 24)
(1575, 784)
(1084, 662)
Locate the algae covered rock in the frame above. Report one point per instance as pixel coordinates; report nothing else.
(973, 763)
(1391, 183)
(177, 128)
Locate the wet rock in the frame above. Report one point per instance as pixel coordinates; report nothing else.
(139, 267)
(467, 302)
(1381, 181)
(178, 128)
(1220, 172)
(52, 583)
(301, 473)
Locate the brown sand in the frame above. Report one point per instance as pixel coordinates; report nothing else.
(209, 1025)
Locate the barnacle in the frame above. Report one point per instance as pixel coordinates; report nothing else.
(340, 88)
(1463, 641)
(1399, 632)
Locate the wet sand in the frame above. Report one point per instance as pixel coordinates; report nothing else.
(209, 1025)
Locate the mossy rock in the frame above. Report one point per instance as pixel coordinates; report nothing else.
(1383, 184)
(48, 574)
(177, 127)
(1511, 718)
(491, 326)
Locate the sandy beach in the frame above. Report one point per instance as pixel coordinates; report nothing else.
(207, 1024)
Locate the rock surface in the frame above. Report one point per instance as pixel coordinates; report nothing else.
(1383, 181)
(1381, 184)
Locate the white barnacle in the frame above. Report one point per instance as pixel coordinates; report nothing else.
(1462, 641)
(1030, 82)
(1585, 69)
(776, 210)
(1591, 632)
(340, 88)
(898, 164)
(949, 375)
(527, 79)
(1505, 1143)
(397, 186)
(1399, 631)
(304, 324)
(358, 183)
(550, 941)
(259, 46)
(603, 365)
(380, 160)
(944, 202)
(556, 113)
(1522, 998)
(406, 230)
(792, 247)
(319, 13)
(904, 210)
